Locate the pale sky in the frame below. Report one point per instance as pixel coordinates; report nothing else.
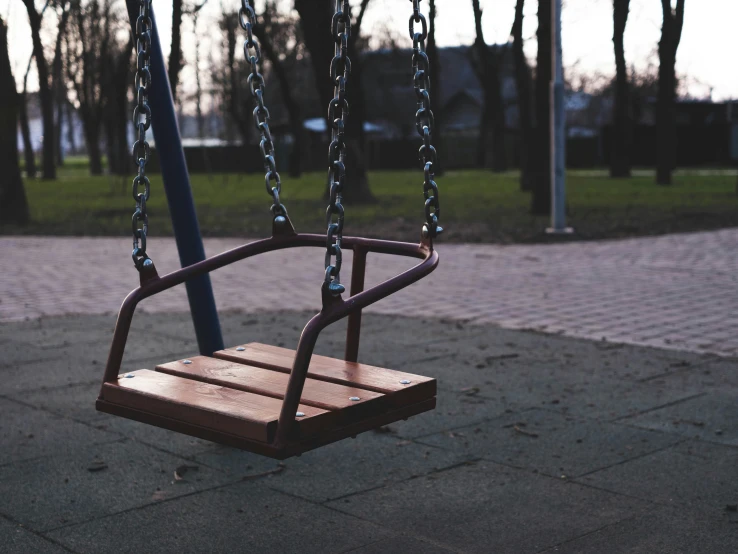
(706, 54)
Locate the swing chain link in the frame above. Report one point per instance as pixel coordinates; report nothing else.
(338, 110)
(142, 123)
(424, 121)
(247, 21)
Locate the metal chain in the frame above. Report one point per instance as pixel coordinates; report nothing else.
(247, 20)
(142, 122)
(338, 109)
(424, 122)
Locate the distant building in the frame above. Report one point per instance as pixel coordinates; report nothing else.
(391, 102)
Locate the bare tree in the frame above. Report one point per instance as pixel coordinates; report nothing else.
(29, 154)
(435, 78)
(58, 87)
(117, 78)
(237, 103)
(622, 116)
(315, 22)
(492, 126)
(13, 203)
(45, 94)
(671, 34)
(176, 59)
(94, 61)
(274, 34)
(524, 86)
(541, 185)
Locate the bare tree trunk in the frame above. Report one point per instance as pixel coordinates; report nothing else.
(286, 89)
(237, 112)
(175, 53)
(671, 34)
(13, 203)
(524, 86)
(92, 136)
(116, 114)
(492, 125)
(541, 189)
(28, 153)
(315, 22)
(435, 81)
(45, 95)
(622, 119)
(198, 82)
(70, 128)
(58, 87)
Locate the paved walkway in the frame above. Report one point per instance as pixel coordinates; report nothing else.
(675, 291)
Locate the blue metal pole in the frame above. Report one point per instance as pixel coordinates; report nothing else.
(558, 132)
(179, 194)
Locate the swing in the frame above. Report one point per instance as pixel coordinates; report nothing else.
(265, 399)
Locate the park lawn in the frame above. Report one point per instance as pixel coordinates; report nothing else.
(477, 206)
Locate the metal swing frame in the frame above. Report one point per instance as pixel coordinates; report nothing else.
(195, 275)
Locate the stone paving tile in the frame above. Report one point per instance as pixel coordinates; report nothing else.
(658, 530)
(59, 490)
(16, 352)
(718, 375)
(673, 291)
(551, 443)
(697, 475)
(710, 417)
(452, 410)
(352, 466)
(77, 402)
(245, 517)
(49, 367)
(402, 545)
(485, 507)
(27, 433)
(15, 539)
(515, 384)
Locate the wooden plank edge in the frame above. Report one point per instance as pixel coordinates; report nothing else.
(134, 398)
(264, 449)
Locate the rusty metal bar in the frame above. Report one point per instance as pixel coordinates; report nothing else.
(353, 331)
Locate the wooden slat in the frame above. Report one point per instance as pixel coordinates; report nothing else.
(320, 394)
(377, 379)
(231, 411)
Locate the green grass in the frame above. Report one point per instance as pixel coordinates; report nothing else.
(477, 206)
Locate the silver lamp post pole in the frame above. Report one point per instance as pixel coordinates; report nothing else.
(558, 131)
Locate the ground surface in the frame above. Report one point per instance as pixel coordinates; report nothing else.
(675, 291)
(477, 206)
(539, 444)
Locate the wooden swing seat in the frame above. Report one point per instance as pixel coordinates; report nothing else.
(236, 396)
(265, 399)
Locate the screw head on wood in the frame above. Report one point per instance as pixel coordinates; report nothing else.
(404, 382)
(129, 375)
(299, 414)
(240, 349)
(354, 398)
(186, 362)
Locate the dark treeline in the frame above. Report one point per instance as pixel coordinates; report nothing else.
(83, 52)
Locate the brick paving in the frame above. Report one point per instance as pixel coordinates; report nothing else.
(675, 291)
